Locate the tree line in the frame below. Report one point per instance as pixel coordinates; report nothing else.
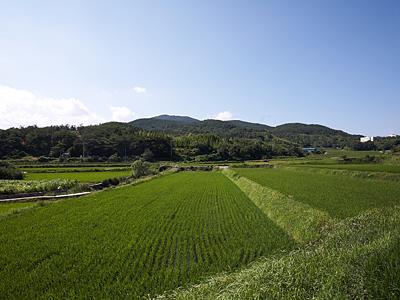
(115, 141)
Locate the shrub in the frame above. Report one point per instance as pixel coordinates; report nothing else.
(140, 168)
(114, 181)
(114, 158)
(43, 159)
(148, 155)
(105, 183)
(8, 171)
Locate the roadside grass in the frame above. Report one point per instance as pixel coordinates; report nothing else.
(136, 240)
(340, 196)
(358, 259)
(80, 176)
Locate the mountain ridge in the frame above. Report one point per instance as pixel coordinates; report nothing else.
(186, 124)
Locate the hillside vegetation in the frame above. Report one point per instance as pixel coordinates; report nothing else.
(177, 138)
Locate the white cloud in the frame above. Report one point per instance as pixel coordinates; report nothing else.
(139, 90)
(23, 108)
(121, 114)
(224, 116)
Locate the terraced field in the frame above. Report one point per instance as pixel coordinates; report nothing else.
(340, 196)
(351, 153)
(359, 167)
(135, 240)
(62, 169)
(80, 176)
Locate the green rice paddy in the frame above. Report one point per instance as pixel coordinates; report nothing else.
(135, 240)
(340, 196)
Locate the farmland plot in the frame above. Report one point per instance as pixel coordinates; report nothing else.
(358, 167)
(340, 196)
(80, 176)
(134, 240)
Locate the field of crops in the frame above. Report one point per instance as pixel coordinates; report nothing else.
(6, 208)
(62, 169)
(131, 241)
(359, 167)
(340, 196)
(80, 176)
(351, 153)
(8, 187)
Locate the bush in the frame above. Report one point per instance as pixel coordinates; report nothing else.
(114, 181)
(140, 168)
(110, 181)
(43, 159)
(8, 171)
(148, 155)
(114, 158)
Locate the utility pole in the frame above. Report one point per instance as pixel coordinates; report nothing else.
(83, 146)
(170, 146)
(83, 143)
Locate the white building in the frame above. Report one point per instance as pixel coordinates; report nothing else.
(365, 139)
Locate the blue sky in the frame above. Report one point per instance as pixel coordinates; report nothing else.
(335, 63)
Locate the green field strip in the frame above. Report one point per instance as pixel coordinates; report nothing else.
(80, 176)
(301, 221)
(347, 172)
(10, 208)
(76, 169)
(131, 241)
(371, 167)
(359, 259)
(340, 196)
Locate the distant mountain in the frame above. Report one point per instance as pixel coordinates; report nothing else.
(249, 125)
(182, 119)
(307, 129)
(184, 124)
(303, 134)
(181, 125)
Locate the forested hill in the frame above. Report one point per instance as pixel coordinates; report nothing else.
(303, 134)
(316, 135)
(115, 141)
(177, 126)
(178, 138)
